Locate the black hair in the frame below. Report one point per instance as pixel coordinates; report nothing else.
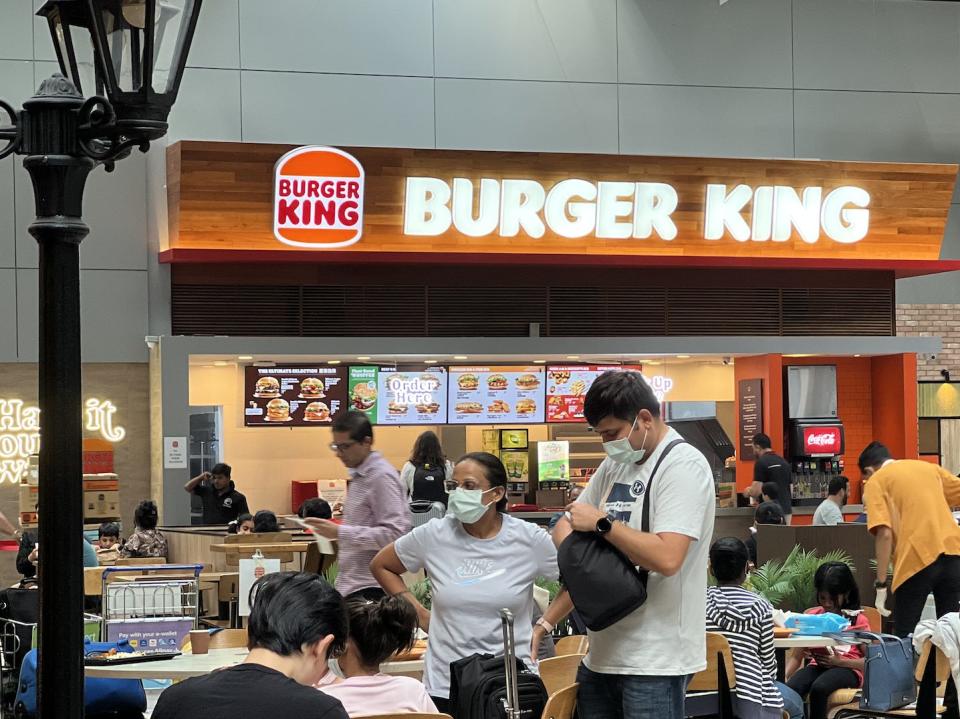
(221, 468)
(381, 629)
(836, 579)
(109, 529)
(873, 455)
(427, 451)
(762, 441)
(837, 484)
(354, 423)
(770, 490)
(146, 515)
(494, 471)
(621, 394)
(290, 610)
(265, 521)
(315, 507)
(234, 526)
(769, 513)
(728, 559)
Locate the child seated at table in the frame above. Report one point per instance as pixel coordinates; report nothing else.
(108, 544)
(265, 522)
(766, 513)
(746, 620)
(377, 631)
(243, 524)
(146, 540)
(837, 667)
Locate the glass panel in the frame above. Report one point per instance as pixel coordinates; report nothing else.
(929, 436)
(86, 68)
(123, 28)
(57, 30)
(172, 21)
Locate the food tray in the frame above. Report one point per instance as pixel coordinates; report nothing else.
(103, 661)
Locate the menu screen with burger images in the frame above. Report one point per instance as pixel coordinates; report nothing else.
(411, 397)
(567, 387)
(294, 396)
(496, 395)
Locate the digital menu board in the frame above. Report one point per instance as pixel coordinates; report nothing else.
(496, 395)
(411, 397)
(294, 395)
(567, 387)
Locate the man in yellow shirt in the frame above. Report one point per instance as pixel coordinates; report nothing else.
(908, 505)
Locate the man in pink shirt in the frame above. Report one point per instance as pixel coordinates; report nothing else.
(375, 512)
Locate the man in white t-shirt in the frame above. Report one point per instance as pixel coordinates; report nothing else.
(639, 667)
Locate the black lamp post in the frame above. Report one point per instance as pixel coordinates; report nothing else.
(137, 50)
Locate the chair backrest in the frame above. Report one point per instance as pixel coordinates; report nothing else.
(224, 639)
(561, 704)
(943, 664)
(874, 619)
(313, 560)
(576, 644)
(719, 664)
(227, 587)
(560, 672)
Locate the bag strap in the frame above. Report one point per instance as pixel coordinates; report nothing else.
(645, 512)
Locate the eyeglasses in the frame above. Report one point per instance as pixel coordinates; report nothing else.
(341, 446)
(450, 485)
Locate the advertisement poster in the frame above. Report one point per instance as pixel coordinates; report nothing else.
(553, 461)
(151, 635)
(567, 386)
(363, 391)
(412, 397)
(294, 396)
(496, 395)
(250, 571)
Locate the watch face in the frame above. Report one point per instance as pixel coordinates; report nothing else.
(604, 525)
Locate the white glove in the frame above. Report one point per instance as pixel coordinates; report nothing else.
(881, 602)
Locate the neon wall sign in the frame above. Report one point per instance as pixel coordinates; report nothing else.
(20, 432)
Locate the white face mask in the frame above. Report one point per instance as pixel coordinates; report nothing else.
(467, 504)
(620, 450)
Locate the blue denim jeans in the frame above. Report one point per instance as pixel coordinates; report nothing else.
(617, 696)
(792, 702)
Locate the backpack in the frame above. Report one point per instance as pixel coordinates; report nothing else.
(428, 484)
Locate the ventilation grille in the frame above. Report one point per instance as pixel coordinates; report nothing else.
(418, 311)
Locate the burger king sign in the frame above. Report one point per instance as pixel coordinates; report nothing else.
(318, 198)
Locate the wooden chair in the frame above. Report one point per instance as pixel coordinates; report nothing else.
(561, 704)
(576, 644)
(224, 639)
(874, 619)
(560, 672)
(932, 671)
(710, 692)
(233, 559)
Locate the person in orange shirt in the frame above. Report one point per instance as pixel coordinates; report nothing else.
(908, 505)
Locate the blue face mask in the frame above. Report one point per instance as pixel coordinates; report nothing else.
(620, 450)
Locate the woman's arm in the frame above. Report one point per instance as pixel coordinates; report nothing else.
(557, 611)
(794, 662)
(387, 569)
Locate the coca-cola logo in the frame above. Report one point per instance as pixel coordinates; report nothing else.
(822, 440)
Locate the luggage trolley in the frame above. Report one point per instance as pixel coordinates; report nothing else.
(154, 607)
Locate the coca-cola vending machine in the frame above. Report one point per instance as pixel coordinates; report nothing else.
(816, 453)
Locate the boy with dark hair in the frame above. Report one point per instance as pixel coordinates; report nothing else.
(767, 513)
(108, 543)
(746, 620)
(770, 492)
(639, 666)
(297, 623)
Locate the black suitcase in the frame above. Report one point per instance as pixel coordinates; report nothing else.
(483, 686)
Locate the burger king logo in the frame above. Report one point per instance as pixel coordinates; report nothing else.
(318, 198)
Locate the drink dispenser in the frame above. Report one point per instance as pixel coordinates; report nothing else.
(816, 449)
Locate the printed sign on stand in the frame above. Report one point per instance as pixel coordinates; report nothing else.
(250, 571)
(175, 452)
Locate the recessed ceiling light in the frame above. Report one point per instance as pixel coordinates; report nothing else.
(856, 355)
(653, 362)
(333, 361)
(244, 357)
(573, 357)
(220, 363)
(460, 357)
(683, 356)
(539, 361)
(429, 361)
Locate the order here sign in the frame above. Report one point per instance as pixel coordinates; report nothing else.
(382, 200)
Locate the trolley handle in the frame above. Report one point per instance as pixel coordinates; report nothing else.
(195, 568)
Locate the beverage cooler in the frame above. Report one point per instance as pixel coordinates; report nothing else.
(816, 454)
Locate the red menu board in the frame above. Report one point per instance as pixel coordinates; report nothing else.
(567, 386)
(294, 396)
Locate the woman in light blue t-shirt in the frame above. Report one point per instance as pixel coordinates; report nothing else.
(479, 561)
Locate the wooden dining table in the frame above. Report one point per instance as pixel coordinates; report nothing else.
(186, 666)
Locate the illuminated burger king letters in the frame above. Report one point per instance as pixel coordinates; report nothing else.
(318, 198)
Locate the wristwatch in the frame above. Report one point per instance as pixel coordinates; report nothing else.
(885, 584)
(547, 626)
(604, 525)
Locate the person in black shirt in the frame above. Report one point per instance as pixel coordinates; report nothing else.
(222, 503)
(767, 513)
(297, 623)
(771, 467)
